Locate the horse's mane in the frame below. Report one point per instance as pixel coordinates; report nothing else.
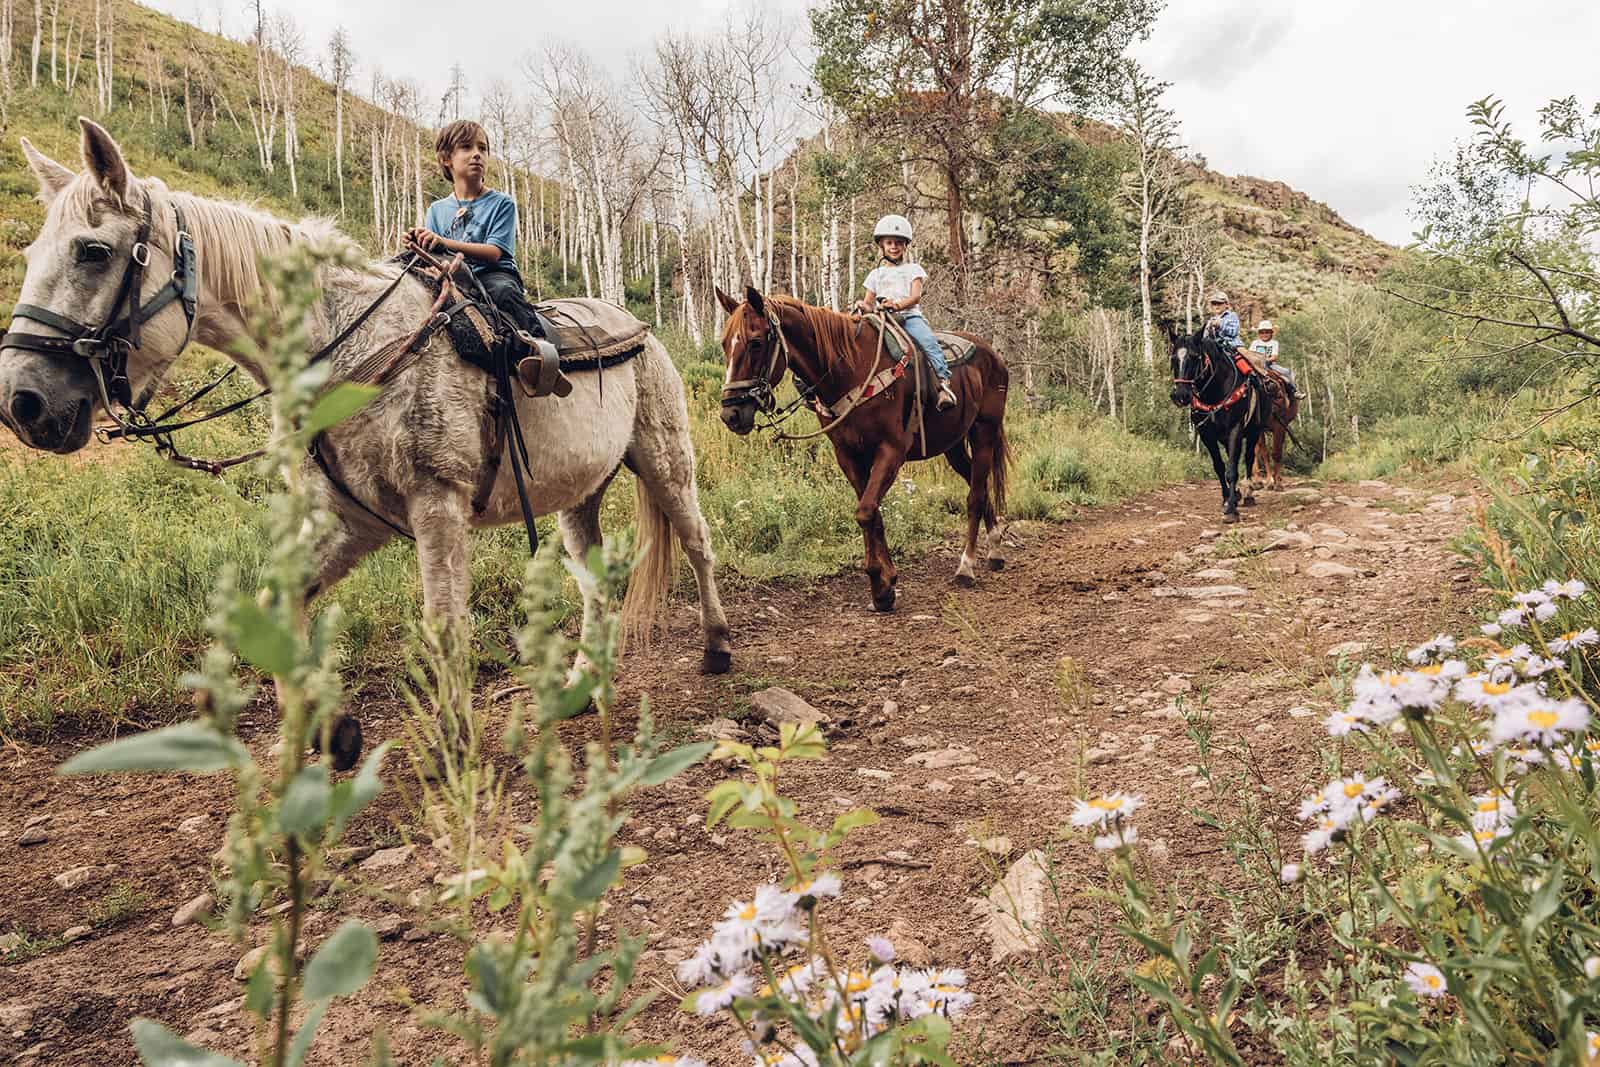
(231, 237)
(833, 332)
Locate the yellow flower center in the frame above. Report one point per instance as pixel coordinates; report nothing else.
(1568, 636)
(1432, 981)
(748, 912)
(1354, 789)
(1496, 689)
(1489, 805)
(1106, 803)
(1390, 678)
(858, 983)
(1431, 669)
(1542, 719)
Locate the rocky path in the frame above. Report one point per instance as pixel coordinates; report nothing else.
(968, 719)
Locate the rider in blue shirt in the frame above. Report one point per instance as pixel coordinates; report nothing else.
(1224, 327)
(478, 222)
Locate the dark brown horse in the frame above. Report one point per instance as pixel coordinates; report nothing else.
(864, 397)
(1284, 410)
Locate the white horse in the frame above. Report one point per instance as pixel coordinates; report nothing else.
(415, 455)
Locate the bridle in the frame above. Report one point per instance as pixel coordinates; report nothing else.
(107, 346)
(1208, 373)
(762, 389)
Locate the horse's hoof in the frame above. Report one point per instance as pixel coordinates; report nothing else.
(1230, 516)
(997, 563)
(885, 601)
(344, 744)
(716, 661)
(965, 581)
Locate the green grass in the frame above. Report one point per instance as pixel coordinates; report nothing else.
(108, 561)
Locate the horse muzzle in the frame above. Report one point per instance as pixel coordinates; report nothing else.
(1181, 395)
(47, 402)
(739, 415)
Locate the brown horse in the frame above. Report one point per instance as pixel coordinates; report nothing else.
(865, 399)
(1283, 410)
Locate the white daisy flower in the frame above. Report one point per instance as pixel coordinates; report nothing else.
(1492, 809)
(1512, 617)
(1544, 724)
(1491, 629)
(1531, 598)
(1426, 980)
(710, 1001)
(823, 885)
(1572, 589)
(1544, 612)
(700, 968)
(1102, 810)
(882, 948)
(1119, 837)
(1591, 967)
(1341, 723)
(1482, 838)
(666, 1061)
(1592, 1043)
(1290, 874)
(1487, 693)
(1575, 639)
(1314, 841)
(1441, 645)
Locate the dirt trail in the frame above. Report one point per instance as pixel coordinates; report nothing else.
(966, 715)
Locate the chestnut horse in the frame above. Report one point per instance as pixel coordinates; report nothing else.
(1283, 410)
(865, 399)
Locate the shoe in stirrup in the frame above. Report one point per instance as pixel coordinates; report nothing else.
(947, 398)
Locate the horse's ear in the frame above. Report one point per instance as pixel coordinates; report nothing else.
(757, 302)
(104, 159)
(53, 177)
(729, 304)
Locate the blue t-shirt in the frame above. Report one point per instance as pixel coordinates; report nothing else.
(491, 219)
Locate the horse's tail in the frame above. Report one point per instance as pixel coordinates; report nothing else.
(652, 577)
(1000, 472)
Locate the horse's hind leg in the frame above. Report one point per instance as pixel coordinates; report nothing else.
(662, 457)
(964, 466)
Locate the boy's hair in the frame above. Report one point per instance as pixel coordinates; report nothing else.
(459, 134)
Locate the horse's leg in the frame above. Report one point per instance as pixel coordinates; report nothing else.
(662, 458)
(984, 438)
(886, 465)
(1218, 466)
(1235, 446)
(962, 464)
(352, 539)
(438, 514)
(580, 531)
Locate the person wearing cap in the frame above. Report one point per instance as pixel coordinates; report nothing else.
(1266, 346)
(1224, 327)
(895, 285)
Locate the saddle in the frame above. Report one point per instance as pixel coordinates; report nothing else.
(579, 333)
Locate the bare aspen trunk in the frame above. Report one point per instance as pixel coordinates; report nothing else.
(377, 193)
(850, 279)
(655, 261)
(38, 41)
(691, 315)
(338, 139)
(422, 207)
(766, 278)
(794, 243)
(188, 107)
(55, 17)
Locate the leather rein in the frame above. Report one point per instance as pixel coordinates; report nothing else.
(1209, 372)
(762, 388)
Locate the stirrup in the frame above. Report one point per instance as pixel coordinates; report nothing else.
(540, 374)
(946, 399)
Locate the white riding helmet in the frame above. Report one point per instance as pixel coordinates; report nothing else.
(1265, 324)
(893, 226)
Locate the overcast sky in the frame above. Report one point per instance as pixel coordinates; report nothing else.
(1347, 100)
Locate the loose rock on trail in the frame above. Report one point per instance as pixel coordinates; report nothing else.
(977, 712)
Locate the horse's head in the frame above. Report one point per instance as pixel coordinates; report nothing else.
(99, 258)
(756, 359)
(1189, 360)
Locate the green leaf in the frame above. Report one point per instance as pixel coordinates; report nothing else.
(350, 797)
(305, 801)
(197, 747)
(679, 759)
(336, 405)
(262, 640)
(306, 1034)
(593, 883)
(852, 820)
(343, 964)
(258, 991)
(160, 1047)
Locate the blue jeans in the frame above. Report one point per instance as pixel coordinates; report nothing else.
(922, 333)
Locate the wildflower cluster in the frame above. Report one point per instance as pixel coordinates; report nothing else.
(764, 950)
(769, 963)
(1339, 804)
(1108, 813)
